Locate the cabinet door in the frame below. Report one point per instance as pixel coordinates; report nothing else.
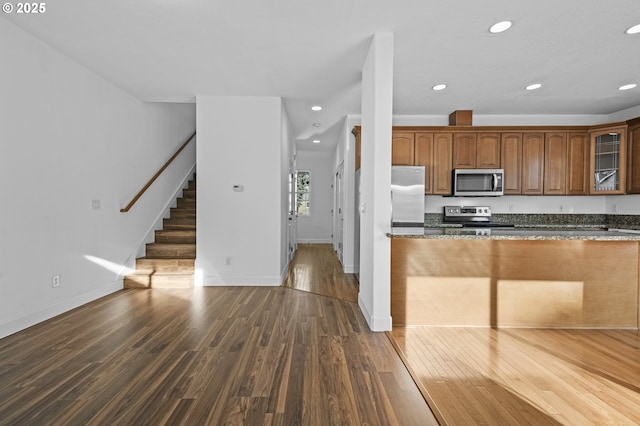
(577, 164)
(423, 156)
(442, 163)
(555, 163)
(511, 162)
(464, 150)
(402, 149)
(488, 151)
(608, 161)
(633, 165)
(532, 163)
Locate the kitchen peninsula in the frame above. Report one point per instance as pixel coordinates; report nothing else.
(581, 277)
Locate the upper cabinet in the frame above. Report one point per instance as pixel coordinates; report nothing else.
(402, 148)
(511, 162)
(555, 163)
(442, 163)
(476, 150)
(532, 163)
(537, 160)
(577, 163)
(608, 160)
(633, 164)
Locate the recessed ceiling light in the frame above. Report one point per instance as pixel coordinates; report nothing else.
(316, 141)
(316, 124)
(633, 30)
(500, 27)
(628, 86)
(533, 86)
(439, 87)
(316, 108)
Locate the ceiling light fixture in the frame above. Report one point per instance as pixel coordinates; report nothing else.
(316, 141)
(438, 87)
(628, 86)
(316, 124)
(533, 86)
(500, 27)
(316, 108)
(633, 30)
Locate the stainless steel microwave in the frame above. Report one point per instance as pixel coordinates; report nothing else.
(478, 182)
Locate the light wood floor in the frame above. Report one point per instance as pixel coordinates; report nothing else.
(524, 376)
(207, 356)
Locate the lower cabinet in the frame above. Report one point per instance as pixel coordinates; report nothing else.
(514, 283)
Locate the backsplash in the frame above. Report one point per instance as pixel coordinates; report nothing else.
(597, 220)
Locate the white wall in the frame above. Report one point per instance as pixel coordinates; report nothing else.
(374, 297)
(69, 137)
(240, 234)
(317, 227)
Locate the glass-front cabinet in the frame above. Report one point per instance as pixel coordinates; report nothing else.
(608, 160)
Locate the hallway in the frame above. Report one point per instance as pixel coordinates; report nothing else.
(316, 269)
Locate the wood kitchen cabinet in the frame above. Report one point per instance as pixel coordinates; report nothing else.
(402, 148)
(511, 162)
(423, 156)
(633, 163)
(608, 160)
(442, 163)
(476, 150)
(532, 163)
(577, 163)
(464, 150)
(488, 151)
(555, 163)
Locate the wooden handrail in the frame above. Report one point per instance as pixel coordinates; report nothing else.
(142, 191)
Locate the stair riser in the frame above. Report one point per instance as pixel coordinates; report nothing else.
(190, 204)
(175, 239)
(165, 266)
(171, 226)
(181, 213)
(189, 194)
(171, 250)
(158, 281)
(180, 222)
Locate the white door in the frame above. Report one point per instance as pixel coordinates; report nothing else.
(338, 212)
(291, 219)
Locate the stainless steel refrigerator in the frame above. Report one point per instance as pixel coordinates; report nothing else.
(407, 195)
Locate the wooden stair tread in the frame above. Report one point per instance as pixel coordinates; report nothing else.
(170, 260)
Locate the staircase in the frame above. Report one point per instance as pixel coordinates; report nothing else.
(169, 260)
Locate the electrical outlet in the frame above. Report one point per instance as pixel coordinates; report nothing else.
(95, 204)
(227, 261)
(614, 208)
(561, 208)
(55, 281)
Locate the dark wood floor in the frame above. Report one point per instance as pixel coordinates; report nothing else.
(207, 356)
(315, 268)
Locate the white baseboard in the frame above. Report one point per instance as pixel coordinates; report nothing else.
(375, 323)
(49, 312)
(241, 281)
(316, 241)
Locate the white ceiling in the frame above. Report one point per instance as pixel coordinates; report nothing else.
(311, 52)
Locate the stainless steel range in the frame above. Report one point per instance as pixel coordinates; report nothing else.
(471, 216)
